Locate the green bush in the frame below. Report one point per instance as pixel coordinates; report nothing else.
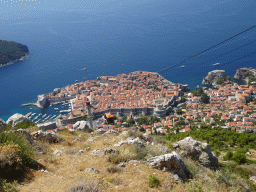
(153, 181)
(8, 187)
(87, 186)
(17, 149)
(25, 125)
(112, 169)
(239, 157)
(228, 156)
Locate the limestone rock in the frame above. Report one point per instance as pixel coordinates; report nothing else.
(176, 178)
(130, 141)
(104, 151)
(147, 137)
(2, 123)
(253, 179)
(91, 170)
(110, 151)
(244, 74)
(42, 101)
(47, 125)
(59, 152)
(47, 136)
(72, 131)
(124, 133)
(16, 119)
(198, 151)
(96, 152)
(170, 162)
(99, 131)
(121, 165)
(81, 125)
(213, 76)
(111, 132)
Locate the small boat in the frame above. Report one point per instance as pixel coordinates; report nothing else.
(76, 80)
(216, 64)
(182, 66)
(44, 115)
(84, 69)
(56, 109)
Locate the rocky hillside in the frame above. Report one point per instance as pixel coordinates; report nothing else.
(216, 78)
(245, 74)
(112, 161)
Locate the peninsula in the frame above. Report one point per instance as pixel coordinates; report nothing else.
(11, 52)
(247, 74)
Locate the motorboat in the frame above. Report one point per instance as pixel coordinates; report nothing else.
(182, 66)
(216, 64)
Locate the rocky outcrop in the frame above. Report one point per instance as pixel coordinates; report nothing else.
(130, 141)
(42, 101)
(90, 169)
(16, 119)
(104, 151)
(47, 126)
(147, 137)
(170, 162)
(99, 131)
(212, 77)
(2, 123)
(111, 132)
(45, 136)
(244, 74)
(81, 125)
(198, 151)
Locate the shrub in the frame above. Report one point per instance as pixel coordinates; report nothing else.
(87, 186)
(228, 156)
(118, 158)
(112, 169)
(153, 181)
(239, 157)
(8, 187)
(25, 125)
(17, 149)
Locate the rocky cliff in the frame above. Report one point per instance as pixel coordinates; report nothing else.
(212, 77)
(245, 74)
(42, 101)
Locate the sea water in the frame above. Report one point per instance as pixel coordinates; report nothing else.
(121, 37)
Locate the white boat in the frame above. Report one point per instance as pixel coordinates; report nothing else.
(216, 64)
(182, 66)
(56, 109)
(44, 115)
(84, 69)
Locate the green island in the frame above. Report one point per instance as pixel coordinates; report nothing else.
(12, 51)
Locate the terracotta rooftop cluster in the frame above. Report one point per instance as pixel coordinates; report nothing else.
(134, 90)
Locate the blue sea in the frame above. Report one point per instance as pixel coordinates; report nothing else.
(120, 36)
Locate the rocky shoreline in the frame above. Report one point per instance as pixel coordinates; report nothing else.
(14, 61)
(245, 74)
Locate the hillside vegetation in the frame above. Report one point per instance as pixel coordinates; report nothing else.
(61, 166)
(10, 51)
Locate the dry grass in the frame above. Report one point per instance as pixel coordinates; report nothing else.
(67, 170)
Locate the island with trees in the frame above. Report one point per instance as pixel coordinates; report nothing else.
(12, 51)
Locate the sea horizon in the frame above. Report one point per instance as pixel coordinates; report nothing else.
(122, 37)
